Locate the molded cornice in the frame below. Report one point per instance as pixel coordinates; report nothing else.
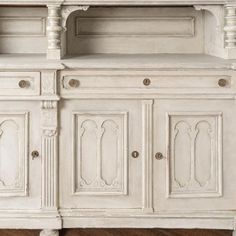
(114, 2)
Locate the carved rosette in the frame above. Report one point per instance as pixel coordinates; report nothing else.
(54, 32)
(230, 27)
(50, 155)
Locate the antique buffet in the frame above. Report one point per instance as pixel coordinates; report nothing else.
(117, 113)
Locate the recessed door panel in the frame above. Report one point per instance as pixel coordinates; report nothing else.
(97, 168)
(20, 175)
(195, 138)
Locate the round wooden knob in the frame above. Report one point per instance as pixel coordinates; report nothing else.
(73, 83)
(222, 82)
(23, 83)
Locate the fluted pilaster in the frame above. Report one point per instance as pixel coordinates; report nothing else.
(50, 155)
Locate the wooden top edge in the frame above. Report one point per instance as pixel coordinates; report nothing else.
(116, 2)
(116, 61)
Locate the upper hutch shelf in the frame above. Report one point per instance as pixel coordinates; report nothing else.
(67, 27)
(117, 61)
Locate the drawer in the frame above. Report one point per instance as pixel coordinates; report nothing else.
(73, 83)
(19, 83)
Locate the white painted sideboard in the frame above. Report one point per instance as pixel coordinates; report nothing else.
(117, 113)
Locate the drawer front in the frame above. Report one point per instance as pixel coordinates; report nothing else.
(73, 83)
(19, 83)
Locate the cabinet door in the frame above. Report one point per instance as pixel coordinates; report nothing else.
(20, 176)
(197, 140)
(96, 166)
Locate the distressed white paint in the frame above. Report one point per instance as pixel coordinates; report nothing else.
(86, 115)
(134, 31)
(97, 168)
(195, 158)
(19, 173)
(20, 29)
(191, 134)
(100, 159)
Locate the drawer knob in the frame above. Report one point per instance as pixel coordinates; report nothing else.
(135, 154)
(222, 82)
(159, 156)
(23, 83)
(73, 83)
(34, 154)
(146, 81)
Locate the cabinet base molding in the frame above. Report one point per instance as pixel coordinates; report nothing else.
(149, 222)
(30, 219)
(29, 223)
(49, 232)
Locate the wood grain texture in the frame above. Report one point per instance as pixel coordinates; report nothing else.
(143, 232)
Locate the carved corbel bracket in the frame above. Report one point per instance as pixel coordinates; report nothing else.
(49, 104)
(217, 11)
(49, 116)
(67, 10)
(215, 38)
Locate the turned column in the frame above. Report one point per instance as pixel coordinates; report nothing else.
(230, 27)
(54, 29)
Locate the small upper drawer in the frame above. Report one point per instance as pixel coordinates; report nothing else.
(72, 83)
(19, 83)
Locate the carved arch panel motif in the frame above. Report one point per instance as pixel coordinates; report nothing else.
(100, 153)
(13, 154)
(195, 154)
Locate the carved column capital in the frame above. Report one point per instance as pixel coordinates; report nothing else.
(216, 10)
(49, 133)
(49, 116)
